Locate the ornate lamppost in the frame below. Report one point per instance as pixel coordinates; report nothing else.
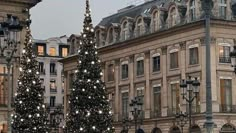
(181, 119)
(136, 110)
(190, 91)
(9, 41)
(125, 125)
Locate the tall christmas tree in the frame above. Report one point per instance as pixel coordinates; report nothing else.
(89, 110)
(29, 112)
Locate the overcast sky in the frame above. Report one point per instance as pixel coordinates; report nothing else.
(54, 18)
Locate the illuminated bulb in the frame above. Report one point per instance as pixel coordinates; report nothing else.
(87, 14)
(15, 94)
(83, 89)
(76, 98)
(84, 35)
(94, 127)
(27, 90)
(95, 46)
(43, 106)
(85, 70)
(94, 87)
(101, 73)
(81, 129)
(37, 72)
(20, 102)
(92, 62)
(108, 129)
(80, 42)
(89, 97)
(23, 51)
(99, 61)
(35, 128)
(73, 89)
(12, 115)
(87, 28)
(15, 116)
(28, 60)
(79, 50)
(38, 107)
(34, 82)
(96, 52)
(21, 119)
(104, 88)
(89, 80)
(92, 30)
(29, 70)
(110, 112)
(86, 52)
(20, 68)
(79, 61)
(38, 115)
(88, 114)
(77, 112)
(97, 81)
(76, 71)
(39, 95)
(30, 116)
(100, 112)
(20, 83)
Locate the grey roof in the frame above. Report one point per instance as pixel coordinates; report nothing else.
(132, 11)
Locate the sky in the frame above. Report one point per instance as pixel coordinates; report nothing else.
(55, 18)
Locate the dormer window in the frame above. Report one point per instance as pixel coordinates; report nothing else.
(155, 21)
(52, 51)
(125, 31)
(110, 36)
(139, 27)
(222, 8)
(173, 17)
(192, 10)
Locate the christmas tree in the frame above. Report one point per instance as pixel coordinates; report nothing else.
(89, 110)
(29, 112)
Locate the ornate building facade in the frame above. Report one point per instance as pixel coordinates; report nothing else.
(15, 8)
(147, 49)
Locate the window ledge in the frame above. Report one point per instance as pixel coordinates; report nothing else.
(157, 72)
(124, 79)
(139, 76)
(174, 69)
(111, 82)
(221, 63)
(193, 65)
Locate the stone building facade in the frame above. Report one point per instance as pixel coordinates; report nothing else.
(147, 49)
(15, 8)
(51, 73)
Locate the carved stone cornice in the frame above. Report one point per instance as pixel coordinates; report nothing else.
(164, 50)
(182, 45)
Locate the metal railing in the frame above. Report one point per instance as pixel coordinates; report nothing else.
(53, 89)
(225, 108)
(42, 72)
(224, 59)
(53, 72)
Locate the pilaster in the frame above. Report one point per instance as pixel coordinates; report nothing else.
(164, 82)
(117, 92)
(147, 88)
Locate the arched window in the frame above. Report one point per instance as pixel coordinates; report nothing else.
(155, 21)
(173, 17)
(227, 128)
(175, 130)
(156, 130)
(222, 8)
(139, 28)
(110, 38)
(125, 31)
(192, 10)
(195, 129)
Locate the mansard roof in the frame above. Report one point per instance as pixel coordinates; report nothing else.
(134, 11)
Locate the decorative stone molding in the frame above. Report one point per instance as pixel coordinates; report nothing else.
(164, 50)
(131, 58)
(202, 41)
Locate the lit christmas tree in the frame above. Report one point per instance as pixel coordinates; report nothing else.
(29, 113)
(89, 110)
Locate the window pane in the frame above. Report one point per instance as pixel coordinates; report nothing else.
(224, 52)
(52, 51)
(174, 60)
(140, 67)
(175, 97)
(193, 56)
(226, 94)
(156, 63)
(111, 72)
(40, 50)
(125, 104)
(124, 71)
(64, 52)
(157, 100)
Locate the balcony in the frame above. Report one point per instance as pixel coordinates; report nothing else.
(224, 59)
(42, 72)
(224, 108)
(53, 90)
(53, 72)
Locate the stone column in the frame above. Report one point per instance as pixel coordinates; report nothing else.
(164, 89)
(117, 92)
(183, 71)
(131, 77)
(203, 77)
(147, 88)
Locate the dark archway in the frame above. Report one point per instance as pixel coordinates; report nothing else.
(140, 131)
(228, 128)
(156, 130)
(175, 129)
(195, 129)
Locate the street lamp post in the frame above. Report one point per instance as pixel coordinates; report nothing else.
(125, 125)
(181, 119)
(136, 110)
(190, 90)
(9, 41)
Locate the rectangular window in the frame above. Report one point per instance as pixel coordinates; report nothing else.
(192, 10)
(53, 87)
(52, 101)
(41, 68)
(111, 72)
(42, 84)
(174, 60)
(140, 67)
(222, 8)
(40, 50)
(224, 52)
(52, 68)
(226, 95)
(157, 100)
(156, 63)
(193, 56)
(175, 98)
(52, 51)
(64, 52)
(124, 71)
(125, 104)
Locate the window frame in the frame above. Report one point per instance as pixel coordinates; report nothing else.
(123, 64)
(172, 55)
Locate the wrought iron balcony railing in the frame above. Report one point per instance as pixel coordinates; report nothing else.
(224, 59)
(227, 108)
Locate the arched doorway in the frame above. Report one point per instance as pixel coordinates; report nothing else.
(175, 129)
(140, 131)
(228, 128)
(156, 130)
(195, 129)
